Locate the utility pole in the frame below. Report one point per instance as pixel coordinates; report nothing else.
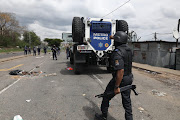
(29, 40)
(155, 36)
(138, 39)
(178, 32)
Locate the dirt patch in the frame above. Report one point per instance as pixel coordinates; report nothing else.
(167, 78)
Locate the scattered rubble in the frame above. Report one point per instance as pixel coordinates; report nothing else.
(141, 109)
(69, 68)
(160, 94)
(22, 72)
(28, 100)
(40, 57)
(37, 66)
(53, 74)
(17, 117)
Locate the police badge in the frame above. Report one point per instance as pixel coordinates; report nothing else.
(116, 62)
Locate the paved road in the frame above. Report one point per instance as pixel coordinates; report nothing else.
(10, 54)
(58, 94)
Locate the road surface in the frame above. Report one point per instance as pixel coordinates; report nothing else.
(10, 54)
(56, 93)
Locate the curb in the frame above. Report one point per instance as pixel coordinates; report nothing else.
(146, 70)
(155, 69)
(12, 58)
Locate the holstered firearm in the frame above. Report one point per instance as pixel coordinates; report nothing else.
(111, 93)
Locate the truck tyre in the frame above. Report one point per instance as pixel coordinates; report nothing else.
(77, 30)
(76, 66)
(71, 58)
(121, 25)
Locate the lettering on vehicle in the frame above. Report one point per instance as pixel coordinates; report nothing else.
(100, 36)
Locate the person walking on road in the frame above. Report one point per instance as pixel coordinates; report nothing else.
(25, 50)
(34, 51)
(39, 50)
(54, 52)
(29, 50)
(67, 52)
(45, 50)
(58, 50)
(121, 61)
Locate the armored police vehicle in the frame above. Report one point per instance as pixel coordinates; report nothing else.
(92, 43)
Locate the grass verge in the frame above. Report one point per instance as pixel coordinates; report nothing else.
(6, 50)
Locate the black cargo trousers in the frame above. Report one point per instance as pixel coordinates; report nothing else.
(126, 100)
(54, 55)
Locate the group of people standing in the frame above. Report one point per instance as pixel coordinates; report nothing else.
(55, 51)
(27, 50)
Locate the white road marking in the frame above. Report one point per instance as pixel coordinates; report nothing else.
(98, 79)
(35, 67)
(32, 70)
(6, 88)
(10, 86)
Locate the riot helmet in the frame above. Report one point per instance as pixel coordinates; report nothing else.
(120, 38)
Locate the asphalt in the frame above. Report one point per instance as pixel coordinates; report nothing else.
(10, 54)
(58, 94)
(158, 70)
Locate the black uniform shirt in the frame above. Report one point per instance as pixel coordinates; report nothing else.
(117, 61)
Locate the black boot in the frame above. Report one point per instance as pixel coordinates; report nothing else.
(100, 116)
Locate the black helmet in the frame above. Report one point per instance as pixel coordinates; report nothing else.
(120, 37)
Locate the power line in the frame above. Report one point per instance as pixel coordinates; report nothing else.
(147, 35)
(163, 33)
(157, 33)
(116, 9)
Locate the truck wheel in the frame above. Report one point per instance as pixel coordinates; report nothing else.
(76, 66)
(77, 30)
(121, 25)
(71, 58)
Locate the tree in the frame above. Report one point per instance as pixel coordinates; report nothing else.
(10, 30)
(31, 38)
(52, 42)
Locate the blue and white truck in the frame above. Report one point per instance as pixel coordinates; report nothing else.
(92, 43)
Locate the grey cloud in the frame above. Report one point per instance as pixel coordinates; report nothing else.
(126, 16)
(170, 13)
(55, 16)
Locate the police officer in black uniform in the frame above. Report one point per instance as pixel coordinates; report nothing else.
(121, 60)
(54, 52)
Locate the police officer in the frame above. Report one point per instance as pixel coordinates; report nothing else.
(121, 60)
(54, 52)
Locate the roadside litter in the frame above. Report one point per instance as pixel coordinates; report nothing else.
(22, 72)
(160, 94)
(141, 109)
(37, 66)
(28, 100)
(40, 57)
(15, 72)
(53, 74)
(17, 117)
(69, 68)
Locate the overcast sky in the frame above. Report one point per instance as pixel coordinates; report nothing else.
(49, 18)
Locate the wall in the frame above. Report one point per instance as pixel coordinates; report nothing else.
(178, 59)
(155, 53)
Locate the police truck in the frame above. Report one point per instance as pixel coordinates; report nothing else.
(92, 43)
